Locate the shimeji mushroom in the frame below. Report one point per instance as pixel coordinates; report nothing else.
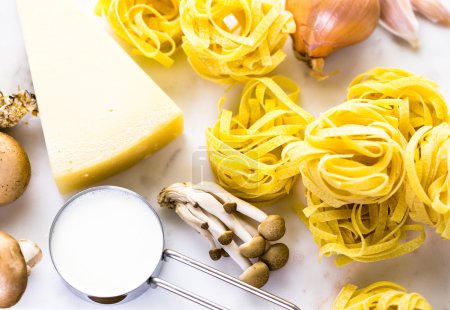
(206, 207)
(16, 260)
(271, 227)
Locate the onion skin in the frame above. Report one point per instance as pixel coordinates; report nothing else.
(324, 26)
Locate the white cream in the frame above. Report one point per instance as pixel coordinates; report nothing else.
(106, 243)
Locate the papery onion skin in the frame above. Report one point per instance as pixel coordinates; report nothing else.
(324, 26)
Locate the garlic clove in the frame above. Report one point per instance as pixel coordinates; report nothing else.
(397, 16)
(434, 10)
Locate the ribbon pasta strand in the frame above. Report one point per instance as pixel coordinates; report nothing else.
(151, 27)
(383, 295)
(234, 40)
(362, 232)
(246, 150)
(427, 162)
(423, 105)
(352, 154)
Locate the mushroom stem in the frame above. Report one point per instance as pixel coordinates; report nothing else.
(192, 217)
(230, 201)
(246, 224)
(225, 235)
(15, 263)
(210, 204)
(31, 252)
(214, 252)
(272, 227)
(232, 249)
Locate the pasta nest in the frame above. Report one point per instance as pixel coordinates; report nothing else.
(423, 105)
(246, 151)
(362, 232)
(381, 295)
(227, 41)
(352, 154)
(151, 27)
(427, 162)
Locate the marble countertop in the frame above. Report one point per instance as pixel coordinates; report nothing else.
(307, 281)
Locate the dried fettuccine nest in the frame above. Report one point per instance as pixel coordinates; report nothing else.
(362, 232)
(352, 154)
(246, 151)
(423, 105)
(427, 160)
(383, 295)
(234, 40)
(151, 27)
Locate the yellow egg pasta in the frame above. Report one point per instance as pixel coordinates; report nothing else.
(362, 232)
(234, 40)
(352, 154)
(246, 150)
(423, 105)
(383, 295)
(151, 27)
(427, 160)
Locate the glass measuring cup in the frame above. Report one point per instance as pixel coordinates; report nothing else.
(97, 247)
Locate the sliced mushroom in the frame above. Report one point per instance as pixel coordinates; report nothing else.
(276, 256)
(256, 275)
(14, 268)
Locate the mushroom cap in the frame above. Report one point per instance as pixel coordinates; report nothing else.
(272, 228)
(276, 256)
(256, 275)
(215, 254)
(230, 207)
(13, 271)
(15, 172)
(226, 237)
(253, 248)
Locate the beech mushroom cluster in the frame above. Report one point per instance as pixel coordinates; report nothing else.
(232, 227)
(17, 257)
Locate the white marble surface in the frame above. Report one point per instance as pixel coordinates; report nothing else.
(306, 281)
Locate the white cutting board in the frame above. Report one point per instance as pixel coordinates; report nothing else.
(306, 281)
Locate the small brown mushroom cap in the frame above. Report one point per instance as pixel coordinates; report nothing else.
(276, 256)
(226, 237)
(256, 275)
(230, 207)
(253, 248)
(13, 271)
(215, 254)
(272, 228)
(15, 170)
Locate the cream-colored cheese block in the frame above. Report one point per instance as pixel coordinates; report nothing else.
(100, 112)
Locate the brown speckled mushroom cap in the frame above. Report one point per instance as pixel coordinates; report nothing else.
(13, 271)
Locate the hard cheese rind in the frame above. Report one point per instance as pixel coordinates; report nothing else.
(100, 112)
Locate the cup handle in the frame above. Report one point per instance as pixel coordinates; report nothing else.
(219, 275)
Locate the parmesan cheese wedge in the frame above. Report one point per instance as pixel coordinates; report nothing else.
(100, 112)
